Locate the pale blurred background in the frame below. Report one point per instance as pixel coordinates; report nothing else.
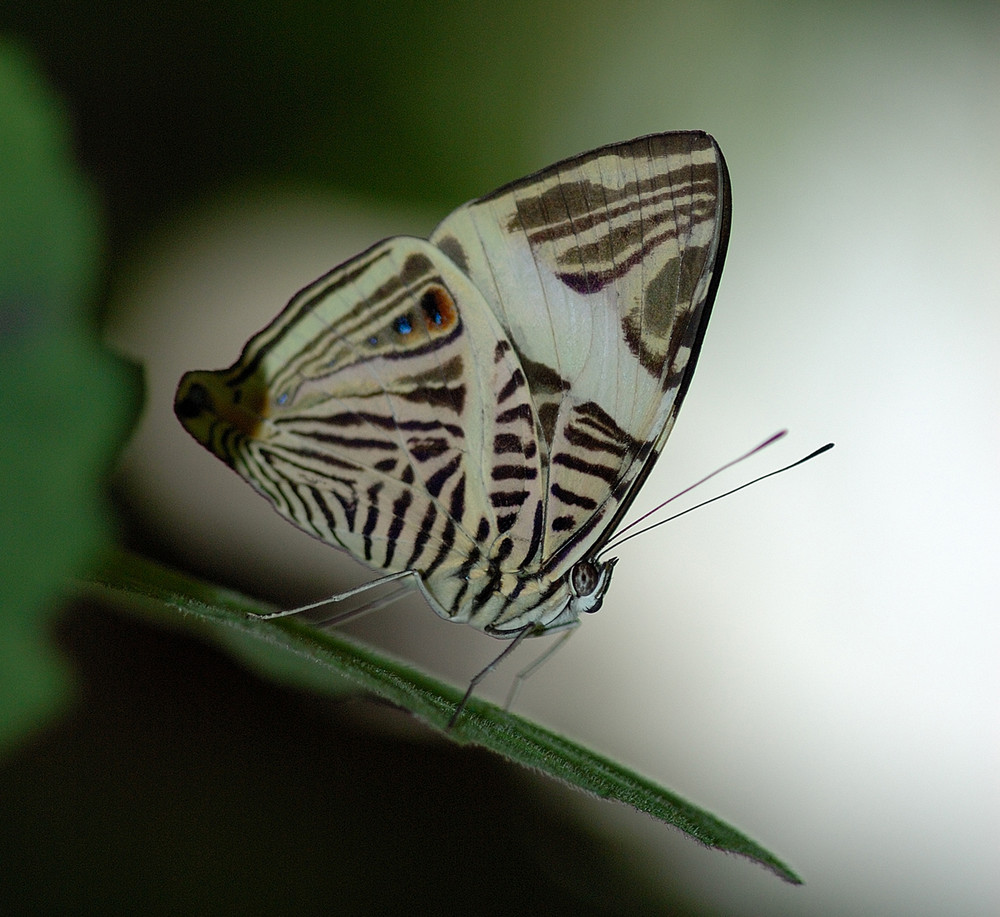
(813, 660)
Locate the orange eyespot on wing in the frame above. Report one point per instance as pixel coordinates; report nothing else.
(438, 309)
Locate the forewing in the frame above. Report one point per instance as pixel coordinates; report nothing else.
(602, 270)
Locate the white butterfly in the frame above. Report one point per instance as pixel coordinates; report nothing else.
(479, 410)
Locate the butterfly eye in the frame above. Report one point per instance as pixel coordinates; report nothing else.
(584, 578)
(403, 325)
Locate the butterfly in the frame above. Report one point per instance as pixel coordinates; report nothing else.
(479, 410)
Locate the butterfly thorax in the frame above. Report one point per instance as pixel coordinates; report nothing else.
(503, 603)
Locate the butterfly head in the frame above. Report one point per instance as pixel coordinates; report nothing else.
(588, 581)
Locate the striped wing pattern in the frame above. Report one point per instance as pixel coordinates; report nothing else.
(602, 270)
(482, 407)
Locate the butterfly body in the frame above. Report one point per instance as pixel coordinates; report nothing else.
(481, 408)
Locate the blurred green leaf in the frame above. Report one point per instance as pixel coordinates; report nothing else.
(326, 662)
(67, 401)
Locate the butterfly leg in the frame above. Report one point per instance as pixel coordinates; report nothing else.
(364, 609)
(525, 674)
(479, 676)
(352, 614)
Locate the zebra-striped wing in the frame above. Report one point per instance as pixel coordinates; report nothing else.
(602, 270)
(481, 408)
(365, 414)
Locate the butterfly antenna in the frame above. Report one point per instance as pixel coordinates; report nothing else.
(767, 442)
(620, 541)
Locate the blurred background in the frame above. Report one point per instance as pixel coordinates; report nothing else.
(813, 660)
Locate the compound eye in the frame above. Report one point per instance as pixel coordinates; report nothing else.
(584, 579)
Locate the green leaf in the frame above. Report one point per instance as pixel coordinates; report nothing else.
(295, 652)
(67, 402)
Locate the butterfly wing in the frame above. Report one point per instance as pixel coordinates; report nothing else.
(602, 271)
(365, 414)
(482, 409)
